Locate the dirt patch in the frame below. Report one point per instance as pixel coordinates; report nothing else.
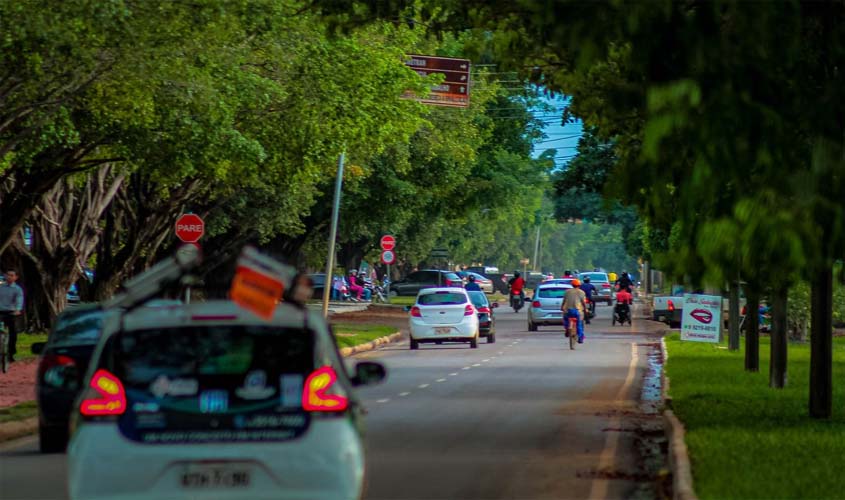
(379, 315)
(18, 384)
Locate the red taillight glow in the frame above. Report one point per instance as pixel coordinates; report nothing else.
(744, 310)
(314, 395)
(484, 310)
(671, 306)
(112, 400)
(53, 361)
(469, 310)
(605, 285)
(448, 282)
(536, 303)
(415, 312)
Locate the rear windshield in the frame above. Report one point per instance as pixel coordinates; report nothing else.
(214, 383)
(595, 276)
(83, 327)
(552, 293)
(478, 299)
(441, 298)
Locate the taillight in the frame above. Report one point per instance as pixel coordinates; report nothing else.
(469, 310)
(448, 282)
(484, 310)
(744, 310)
(53, 367)
(415, 312)
(605, 285)
(536, 303)
(316, 394)
(112, 397)
(671, 306)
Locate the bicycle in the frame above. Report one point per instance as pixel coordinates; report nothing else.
(572, 332)
(4, 349)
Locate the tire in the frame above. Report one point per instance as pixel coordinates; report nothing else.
(393, 294)
(52, 439)
(532, 327)
(438, 342)
(474, 342)
(491, 339)
(414, 345)
(613, 322)
(4, 350)
(573, 337)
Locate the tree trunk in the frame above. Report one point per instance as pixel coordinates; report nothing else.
(733, 319)
(752, 333)
(821, 344)
(777, 361)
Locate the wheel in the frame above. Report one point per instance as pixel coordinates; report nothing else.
(474, 342)
(438, 342)
(613, 322)
(573, 337)
(393, 294)
(52, 439)
(414, 345)
(491, 339)
(532, 327)
(4, 357)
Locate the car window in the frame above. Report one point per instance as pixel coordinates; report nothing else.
(415, 276)
(441, 298)
(478, 276)
(452, 276)
(552, 293)
(478, 299)
(595, 276)
(318, 279)
(78, 328)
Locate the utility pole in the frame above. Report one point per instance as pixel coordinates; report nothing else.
(333, 234)
(536, 247)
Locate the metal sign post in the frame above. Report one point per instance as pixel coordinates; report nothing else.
(333, 234)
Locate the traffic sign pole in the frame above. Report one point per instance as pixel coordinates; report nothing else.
(333, 234)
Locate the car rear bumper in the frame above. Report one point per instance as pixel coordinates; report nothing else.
(667, 316)
(326, 462)
(545, 317)
(425, 332)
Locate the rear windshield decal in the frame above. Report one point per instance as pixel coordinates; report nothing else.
(291, 395)
(255, 386)
(163, 386)
(214, 401)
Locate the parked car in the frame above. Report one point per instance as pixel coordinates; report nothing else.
(443, 315)
(484, 270)
(604, 289)
(485, 283)
(209, 399)
(319, 284)
(486, 316)
(545, 305)
(62, 366)
(418, 280)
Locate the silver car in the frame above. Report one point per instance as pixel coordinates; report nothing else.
(545, 305)
(604, 288)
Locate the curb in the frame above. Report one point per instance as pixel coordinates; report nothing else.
(18, 428)
(679, 462)
(369, 346)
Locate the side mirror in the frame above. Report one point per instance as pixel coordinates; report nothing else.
(38, 347)
(494, 305)
(407, 308)
(368, 373)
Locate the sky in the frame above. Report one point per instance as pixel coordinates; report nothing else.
(563, 138)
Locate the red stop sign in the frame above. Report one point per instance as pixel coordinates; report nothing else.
(190, 228)
(388, 242)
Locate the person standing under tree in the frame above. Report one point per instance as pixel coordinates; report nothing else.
(11, 307)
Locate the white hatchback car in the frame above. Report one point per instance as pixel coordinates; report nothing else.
(545, 305)
(444, 315)
(208, 401)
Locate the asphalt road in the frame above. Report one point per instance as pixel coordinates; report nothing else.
(523, 418)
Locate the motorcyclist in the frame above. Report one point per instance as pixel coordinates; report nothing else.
(624, 281)
(471, 285)
(517, 285)
(574, 306)
(589, 289)
(624, 299)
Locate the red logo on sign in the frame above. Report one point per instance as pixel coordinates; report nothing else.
(388, 242)
(190, 228)
(702, 315)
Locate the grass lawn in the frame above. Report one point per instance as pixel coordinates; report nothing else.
(748, 441)
(18, 412)
(352, 334)
(25, 341)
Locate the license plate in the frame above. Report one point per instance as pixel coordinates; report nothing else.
(215, 478)
(443, 330)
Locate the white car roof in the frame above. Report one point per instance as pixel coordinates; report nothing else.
(546, 286)
(429, 291)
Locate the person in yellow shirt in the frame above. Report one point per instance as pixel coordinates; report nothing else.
(574, 305)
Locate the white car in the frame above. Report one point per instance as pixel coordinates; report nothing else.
(545, 305)
(443, 315)
(209, 401)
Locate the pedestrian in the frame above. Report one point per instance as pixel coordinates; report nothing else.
(11, 307)
(354, 287)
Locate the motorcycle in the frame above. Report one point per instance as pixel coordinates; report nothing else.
(621, 314)
(517, 302)
(591, 309)
(379, 292)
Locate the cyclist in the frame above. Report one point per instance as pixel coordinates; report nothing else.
(471, 285)
(589, 289)
(574, 306)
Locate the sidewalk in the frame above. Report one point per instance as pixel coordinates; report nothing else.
(18, 384)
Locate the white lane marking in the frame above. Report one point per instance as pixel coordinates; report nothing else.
(466, 368)
(598, 488)
(403, 394)
(441, 380)
(500, 353)
(422, 386)
(485, 360)
(385, 400)
(476, 364)
(453, 374)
